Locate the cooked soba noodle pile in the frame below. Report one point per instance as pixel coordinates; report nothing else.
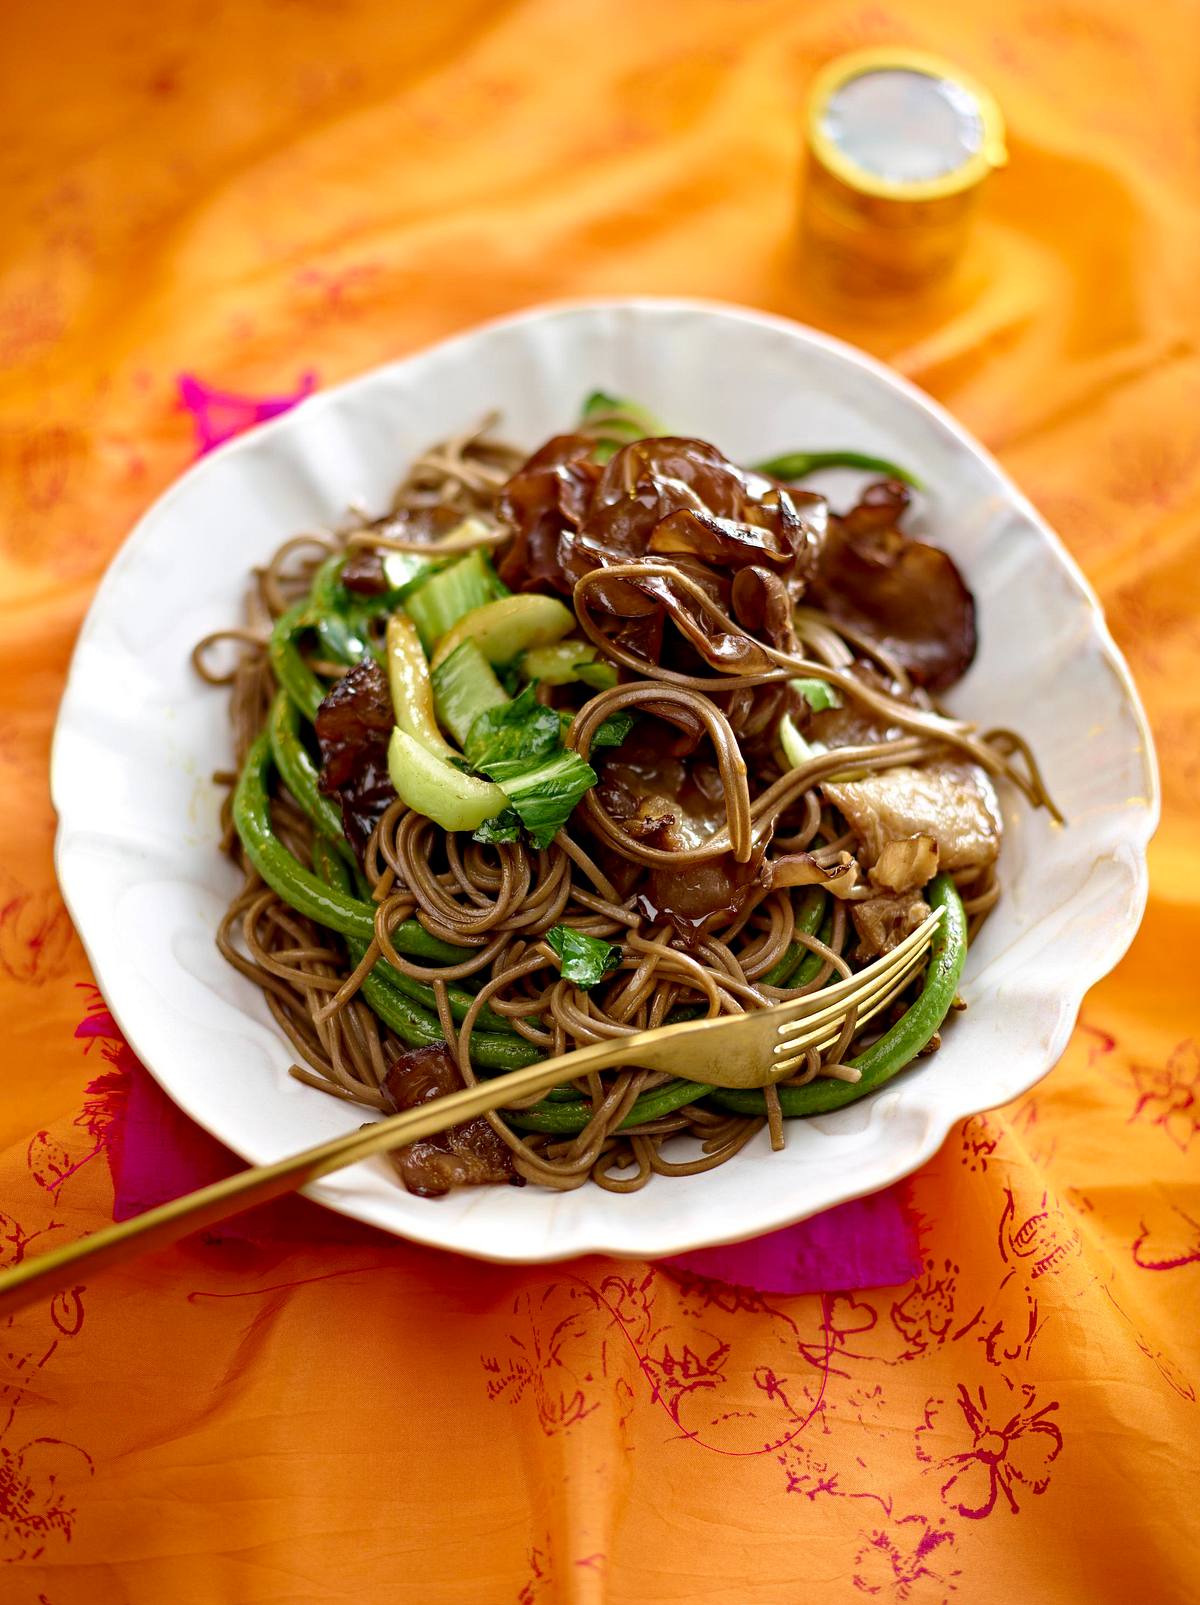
(768, 819)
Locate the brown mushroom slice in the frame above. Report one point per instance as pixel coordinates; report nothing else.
(906, 864)
(953, 802)
(467, 1155)
(802, 869)
(353, 725)
(883, 922)
(909, 597)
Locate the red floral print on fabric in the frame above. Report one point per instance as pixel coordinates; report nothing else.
(998, 1455)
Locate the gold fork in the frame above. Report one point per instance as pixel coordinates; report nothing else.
(743, 1050)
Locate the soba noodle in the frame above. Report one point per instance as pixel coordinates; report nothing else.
(496, 902)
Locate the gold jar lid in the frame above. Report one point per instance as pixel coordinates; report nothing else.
(898, 143)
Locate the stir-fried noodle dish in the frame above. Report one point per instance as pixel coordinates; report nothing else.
(567, 746)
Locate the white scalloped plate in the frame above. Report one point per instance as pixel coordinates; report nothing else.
(138, 735)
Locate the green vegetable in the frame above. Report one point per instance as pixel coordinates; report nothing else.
(897, 1047)
(405, 571)
(520, 731)
(799, 464)
(808, 919)
(611, 732)
(509, 676)
(520, 747)
(490, 1050)
(340, 618)
(504, 628)
(810, 963)
(440, 601)
(819, 694)
(433, 787)
(464, 686)
(600, 676)
(545, 797)
(287, 664)
(299, 887)
(796, 750)
(565, 661)
(622, 422)
(563, 1117)
(503, 827)
(299, 773)
(412, 693)
(585, 960)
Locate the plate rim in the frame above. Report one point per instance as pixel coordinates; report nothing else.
(940, 1120)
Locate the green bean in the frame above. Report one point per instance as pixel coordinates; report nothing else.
(897, 1047)
(299, 773)
(810, 963)
(490, 1050)
(287, 664)
(298, 886)
(565, 1118)
(795, 465)
(808, 920)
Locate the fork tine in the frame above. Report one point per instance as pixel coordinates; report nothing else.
(826, 1034)
(881, 984)
(833, 1014)
(836, 999)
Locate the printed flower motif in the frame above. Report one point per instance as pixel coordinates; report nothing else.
(1008, 1456)
(907, 1561)
(1169, 1095)
(13, 1241)
(848, 1317)
(577, 1347)
(631, 1301)
(807, 1473)
(35, 937)
(1044, 1236)
(540, 1584)
(1008, 1323)
(846, 1323)
(979, 1142)
(35, 1482)
(1167, 1245)
(1100, 1043)
(66, 1311)
(925, 1315)
(676, 1372)
(697, 1293)
(555, 1354)
(49, 1160)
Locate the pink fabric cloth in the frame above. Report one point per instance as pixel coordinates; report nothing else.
(157, 1153)
(219, 415)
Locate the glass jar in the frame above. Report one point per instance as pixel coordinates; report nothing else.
(899, 146)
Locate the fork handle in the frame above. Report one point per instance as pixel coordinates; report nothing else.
(166, 1223)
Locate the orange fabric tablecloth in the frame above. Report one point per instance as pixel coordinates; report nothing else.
(252, 190)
